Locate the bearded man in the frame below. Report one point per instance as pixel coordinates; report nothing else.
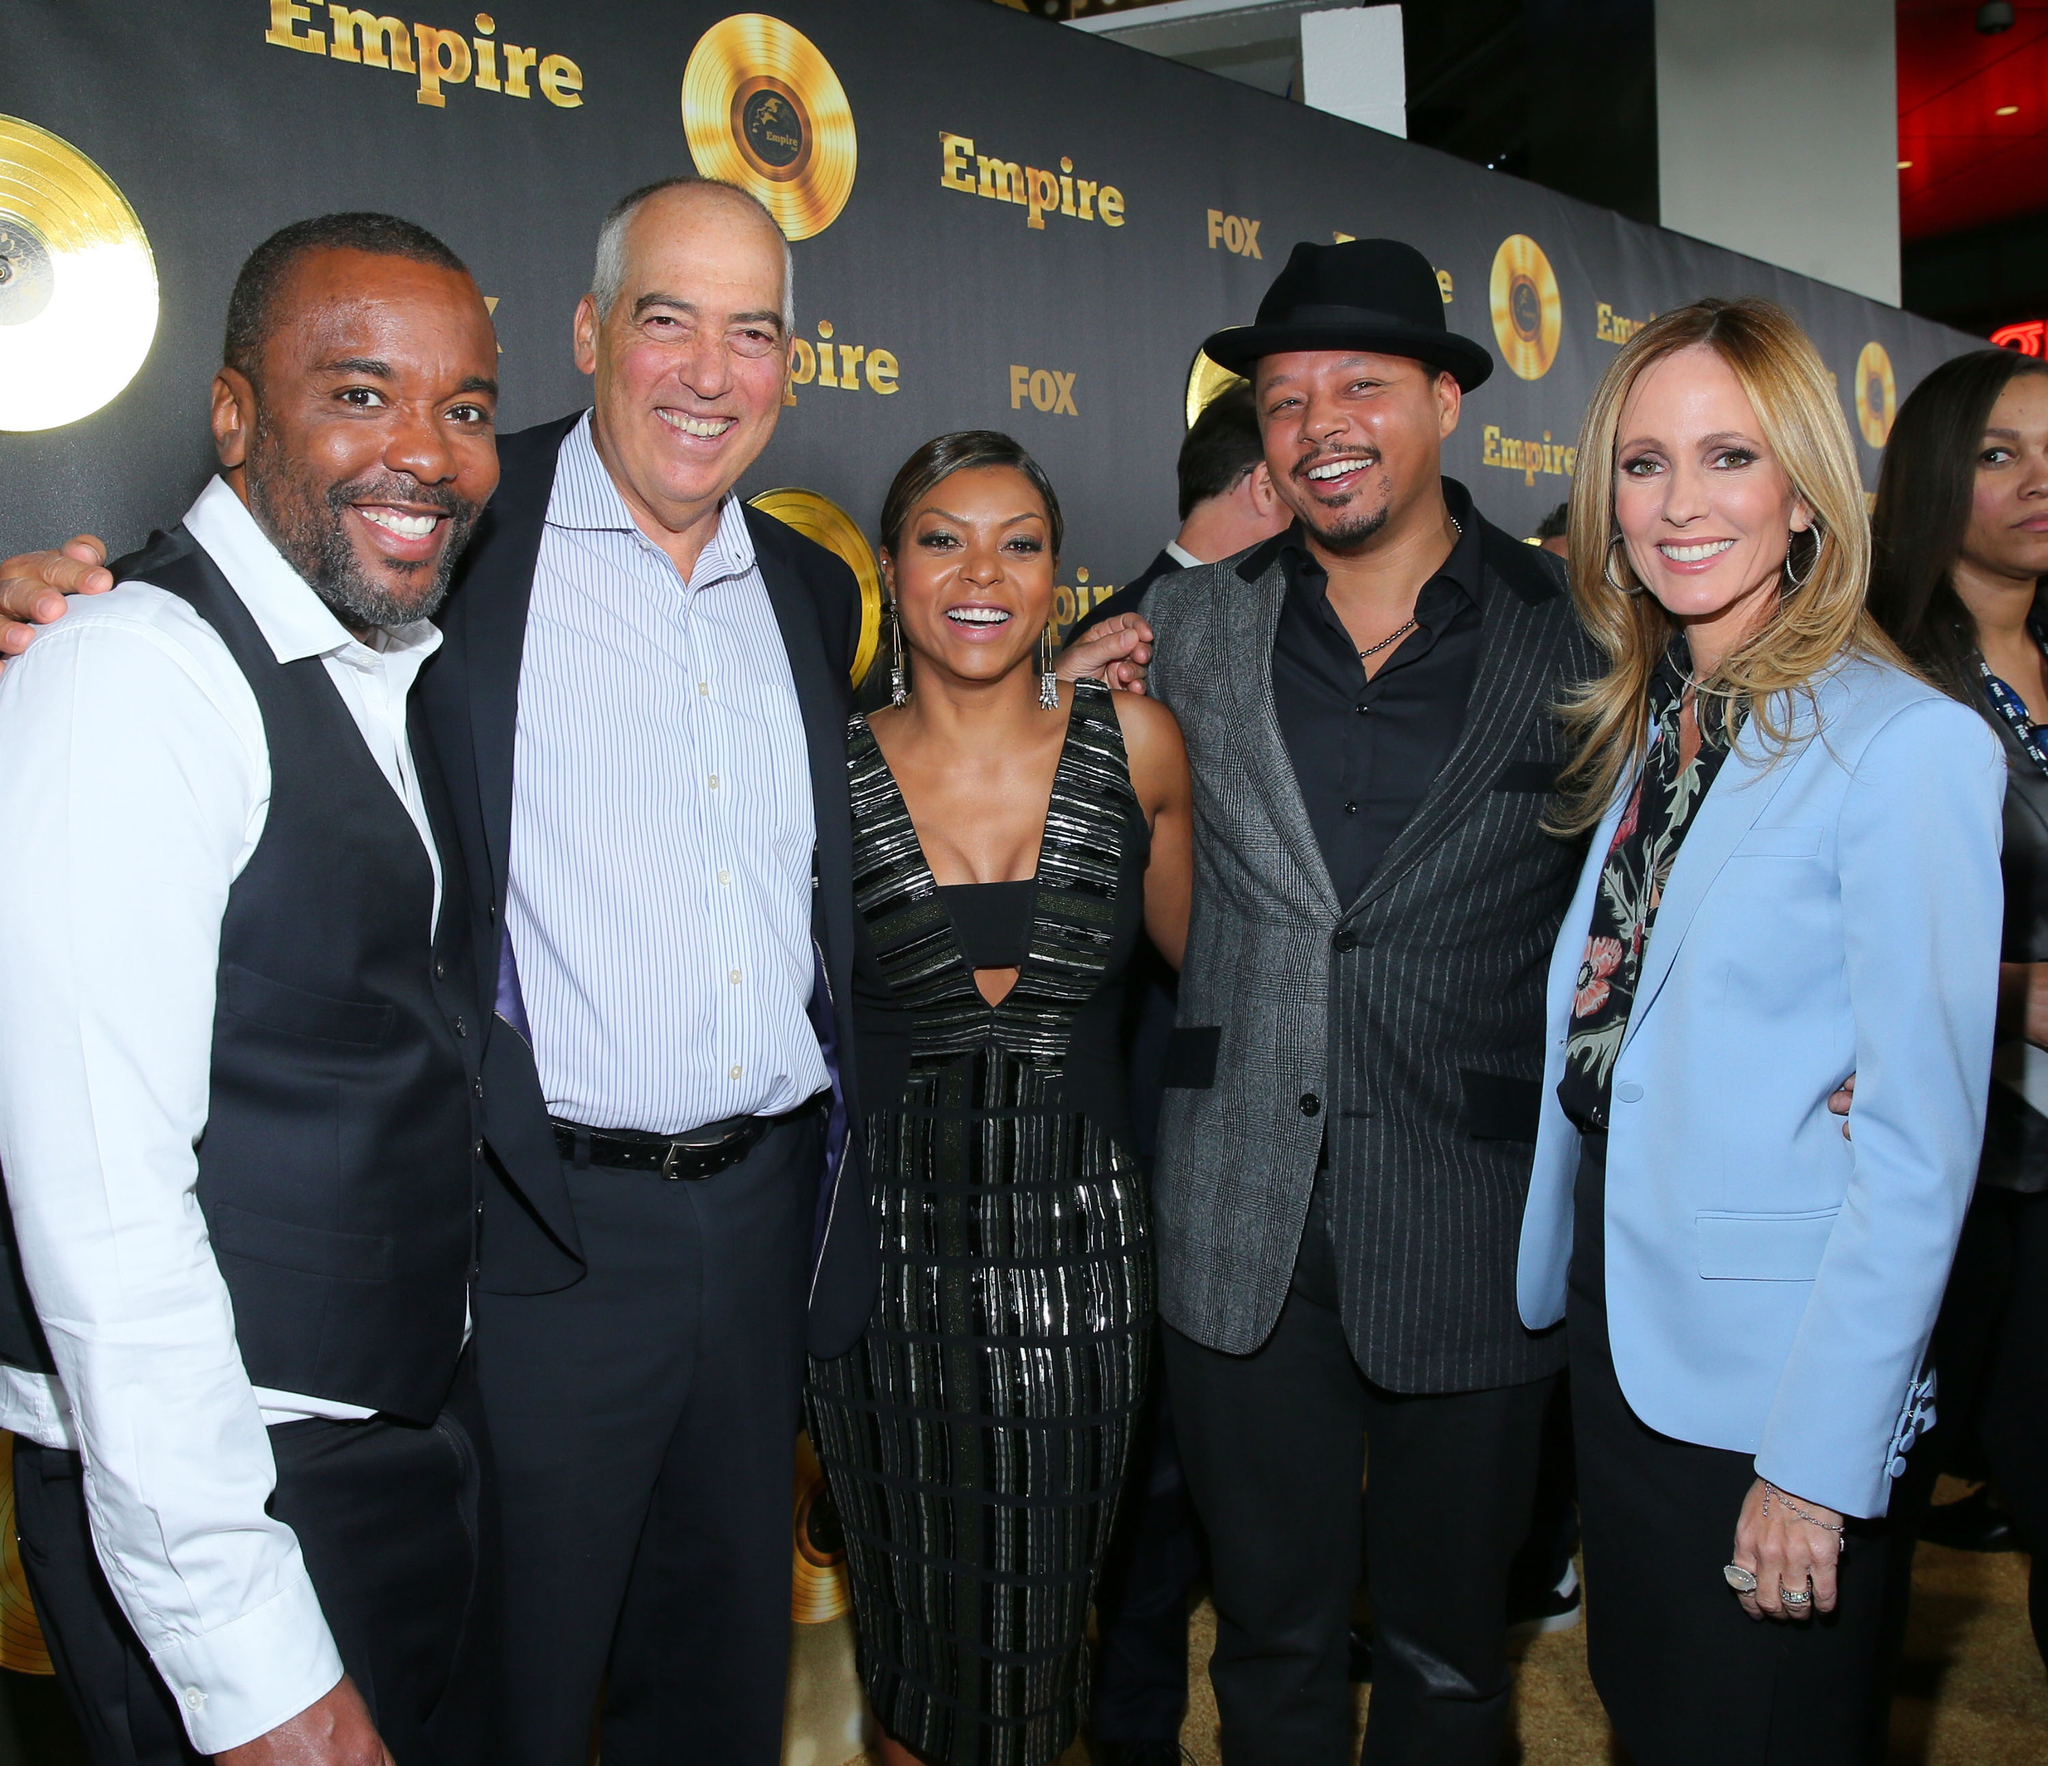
(1352, 1081)
(236, 1074)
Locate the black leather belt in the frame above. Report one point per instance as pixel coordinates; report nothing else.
(702, 1152)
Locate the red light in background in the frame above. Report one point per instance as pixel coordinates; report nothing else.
(2028, 337)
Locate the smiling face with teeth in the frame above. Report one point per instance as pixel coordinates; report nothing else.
(365, 446)
(689, 359)
(971, 571)
(1706, 509)
(1354, 441)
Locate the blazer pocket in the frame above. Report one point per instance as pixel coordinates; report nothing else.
(1527, 775)
(1779, 843)
(1763, 1247)
(311, 1250)
(256, 999)
(1498, 1108)
(1191, 1056)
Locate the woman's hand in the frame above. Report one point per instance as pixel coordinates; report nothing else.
(1787, 1554)
(2023, 1002)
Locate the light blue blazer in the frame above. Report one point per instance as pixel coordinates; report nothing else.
(1771, 1287)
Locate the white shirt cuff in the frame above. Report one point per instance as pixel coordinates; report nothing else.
(242, 1679)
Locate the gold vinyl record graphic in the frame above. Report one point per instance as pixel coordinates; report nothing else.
(21, 1636)
(1205, 380)
(78, 298)
(1528, 313)
(819, 518)
(818, 1590)
(764, 110)
(1877, 395)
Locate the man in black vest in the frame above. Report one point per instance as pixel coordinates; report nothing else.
(238, 1061)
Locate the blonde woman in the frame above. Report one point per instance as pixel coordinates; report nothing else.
(1793, 876)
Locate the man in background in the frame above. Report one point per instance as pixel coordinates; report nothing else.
(1551, 531)
(1227, 506)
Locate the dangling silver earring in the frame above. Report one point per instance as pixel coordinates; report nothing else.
(1800, 582)
(1607, 570)
(1048, 682)
(899, 676)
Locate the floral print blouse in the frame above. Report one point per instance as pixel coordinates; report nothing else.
(1661, 807)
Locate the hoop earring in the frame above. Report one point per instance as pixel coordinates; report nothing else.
(1048, 682)
(1800, 582)
(1607, 570)
(899, 675)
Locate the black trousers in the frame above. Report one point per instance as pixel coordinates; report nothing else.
(1687, 1677)
(1141, 1599)
(1275, 1446)
(394, 1525)
(645, 1426)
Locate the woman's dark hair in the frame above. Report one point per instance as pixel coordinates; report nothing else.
(962, 451)
(1924, 492)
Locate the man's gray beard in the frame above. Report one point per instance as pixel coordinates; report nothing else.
(290, 514)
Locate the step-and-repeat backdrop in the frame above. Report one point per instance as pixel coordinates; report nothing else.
(997, 223)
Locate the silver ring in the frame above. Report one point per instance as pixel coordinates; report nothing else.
(1800, 1598)
(1741, 1580)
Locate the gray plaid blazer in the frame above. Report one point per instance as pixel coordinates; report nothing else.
(1406, 1026)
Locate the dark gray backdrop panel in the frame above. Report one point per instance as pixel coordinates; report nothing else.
(218, 137)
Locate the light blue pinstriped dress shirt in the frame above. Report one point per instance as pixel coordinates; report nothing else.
(662, 825)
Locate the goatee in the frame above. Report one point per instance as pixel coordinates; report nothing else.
(309, 526)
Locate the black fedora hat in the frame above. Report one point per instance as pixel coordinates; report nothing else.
(1362, 294)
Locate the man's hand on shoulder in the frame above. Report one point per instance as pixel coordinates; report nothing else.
(33, 586)
(332, 1731)
(1115, 651)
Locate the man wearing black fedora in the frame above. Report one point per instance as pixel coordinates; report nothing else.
(1354, 1072)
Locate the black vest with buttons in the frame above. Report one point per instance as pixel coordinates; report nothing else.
(335, 1170)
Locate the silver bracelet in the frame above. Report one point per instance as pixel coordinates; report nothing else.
(1797, 1513)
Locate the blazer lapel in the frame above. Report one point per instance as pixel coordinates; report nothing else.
(491, 624)
(1252, 620)
(1741, 792)
(1517, 664)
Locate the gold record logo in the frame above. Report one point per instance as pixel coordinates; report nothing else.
(1205, 380)
(764, 110)
(1877, 395)
(21, 1637)
(78, 297)
(818, 1587)
(1528, 313)
(819, 518)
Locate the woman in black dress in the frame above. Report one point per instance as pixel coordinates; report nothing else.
(1012, 836)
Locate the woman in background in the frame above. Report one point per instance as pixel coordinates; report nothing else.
(1793, 876)
(1012, 836)
(1961, 526)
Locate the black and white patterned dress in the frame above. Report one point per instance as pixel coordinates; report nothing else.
(975, 1438)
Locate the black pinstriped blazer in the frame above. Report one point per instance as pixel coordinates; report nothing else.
(1406, 1025)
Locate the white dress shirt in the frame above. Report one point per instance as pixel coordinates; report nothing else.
(1182, 556)
(136, 788)
(659, 902)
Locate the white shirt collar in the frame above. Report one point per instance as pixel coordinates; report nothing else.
(1182, 556)
(294, 621)
(585, 496)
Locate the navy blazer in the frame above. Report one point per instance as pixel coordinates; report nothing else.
(470, 694)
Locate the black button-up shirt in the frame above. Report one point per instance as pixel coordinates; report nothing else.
(1365, 752)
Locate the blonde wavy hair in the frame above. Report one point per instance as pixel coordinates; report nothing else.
(1816, 621)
